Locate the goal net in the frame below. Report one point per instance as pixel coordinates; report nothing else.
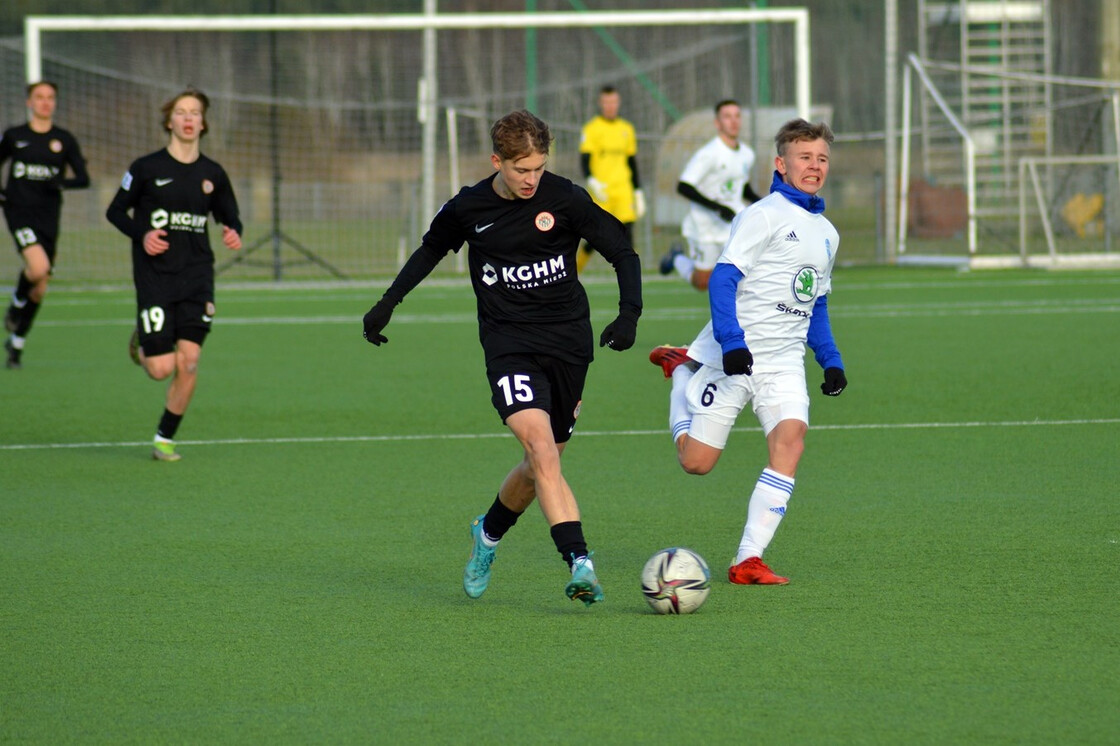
(1010, 168)
(334, 128)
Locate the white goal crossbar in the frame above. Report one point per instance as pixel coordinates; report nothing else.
(34, 26)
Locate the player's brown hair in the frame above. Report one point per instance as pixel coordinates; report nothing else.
(519, 134)
(169, 107)
(796, 130)
(37, 83)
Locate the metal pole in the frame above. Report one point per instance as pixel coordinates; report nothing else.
(890, 185)
(429, 94)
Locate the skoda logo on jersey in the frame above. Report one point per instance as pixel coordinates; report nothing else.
(18, 170)
(805, 285)
(489, 274)
(159, 218)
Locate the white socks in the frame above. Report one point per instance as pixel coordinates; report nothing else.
(764, 512)
(683, 264)
(679, 416)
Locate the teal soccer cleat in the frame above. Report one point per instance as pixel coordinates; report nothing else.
(584, 586)
(477, 575)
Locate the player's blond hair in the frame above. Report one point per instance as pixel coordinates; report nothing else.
(519, 134)
(796, 130)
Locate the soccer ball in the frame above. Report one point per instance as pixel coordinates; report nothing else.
(676, 581)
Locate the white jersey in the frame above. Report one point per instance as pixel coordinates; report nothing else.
(719, 173)
(786, 255)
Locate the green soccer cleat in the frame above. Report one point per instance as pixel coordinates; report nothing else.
(134, 346)
(584, 586)
(164, 451)
(477, 574)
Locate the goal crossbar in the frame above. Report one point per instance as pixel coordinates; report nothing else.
(34, 26)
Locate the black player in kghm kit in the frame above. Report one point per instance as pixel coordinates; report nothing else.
(523, 226)
(40, 154)
(170, 194)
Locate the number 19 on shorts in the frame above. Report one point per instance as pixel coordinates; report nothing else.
(152, 319)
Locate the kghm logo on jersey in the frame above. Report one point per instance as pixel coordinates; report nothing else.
(544, 222)
(805, 285)
(525, 276)
(178, 221)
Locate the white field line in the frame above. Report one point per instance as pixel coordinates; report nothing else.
(700, 312)
(296, 440)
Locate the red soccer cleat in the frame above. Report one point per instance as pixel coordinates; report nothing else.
(753, 571)
(668, 357)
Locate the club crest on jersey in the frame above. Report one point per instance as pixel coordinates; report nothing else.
(544, 222)
(805, 285)
(207, 186)
(55, 146)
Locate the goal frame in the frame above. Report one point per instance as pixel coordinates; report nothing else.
(429, 23)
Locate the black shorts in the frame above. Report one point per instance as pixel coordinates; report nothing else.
(173, 307)
(33, 225)
(530, 381)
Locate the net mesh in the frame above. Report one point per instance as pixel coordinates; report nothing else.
(319, 129)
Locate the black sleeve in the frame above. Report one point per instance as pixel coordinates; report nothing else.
(224, 205)
(77, 165)
(585, 164)
(418, 266)
(632, 161)
(749, 195)
(118, 215)
(628, 269)
(689, 192)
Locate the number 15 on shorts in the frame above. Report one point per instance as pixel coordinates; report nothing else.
(515, 388)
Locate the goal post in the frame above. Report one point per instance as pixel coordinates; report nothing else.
(366, 97)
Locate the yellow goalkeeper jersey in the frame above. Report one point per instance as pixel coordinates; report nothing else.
(610, 142)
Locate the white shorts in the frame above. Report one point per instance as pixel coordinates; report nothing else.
(716, 399)
(704, 254)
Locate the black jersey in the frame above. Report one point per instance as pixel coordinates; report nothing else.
(37, 174)
(178, 197)
(522, 263)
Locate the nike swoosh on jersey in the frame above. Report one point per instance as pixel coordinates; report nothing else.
(22, 143)
(481, 228)
(163, 182)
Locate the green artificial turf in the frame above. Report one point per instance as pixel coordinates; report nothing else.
(953, 542)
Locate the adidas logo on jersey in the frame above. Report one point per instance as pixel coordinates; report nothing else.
(792, 236)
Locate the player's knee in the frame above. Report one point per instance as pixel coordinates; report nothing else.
(693, 463)
(159, 368)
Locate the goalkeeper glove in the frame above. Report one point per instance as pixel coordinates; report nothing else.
(376, 320)
(619, 334)
(738, 362)
(597, 188)
(834, 381)
(639, 204)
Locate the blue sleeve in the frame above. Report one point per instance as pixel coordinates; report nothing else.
(722, 287)
(820, 336)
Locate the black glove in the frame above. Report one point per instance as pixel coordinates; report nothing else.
(619, 334)
(726, 213)
(738, 362)
(834, 381)
(376, 320)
